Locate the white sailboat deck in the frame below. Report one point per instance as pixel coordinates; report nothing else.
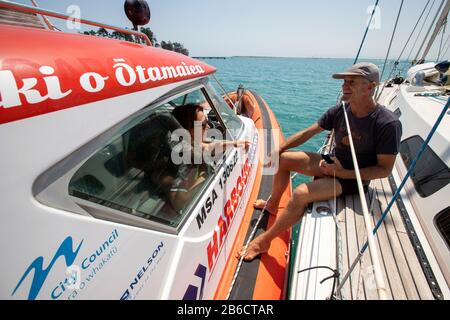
(330, 241)
(401, 269)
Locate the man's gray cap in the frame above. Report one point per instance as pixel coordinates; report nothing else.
(365, 69)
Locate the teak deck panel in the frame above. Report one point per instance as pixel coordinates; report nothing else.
(402, 272)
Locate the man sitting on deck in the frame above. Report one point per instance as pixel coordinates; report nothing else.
(376, 134)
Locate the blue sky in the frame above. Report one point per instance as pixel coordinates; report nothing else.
(283, 28)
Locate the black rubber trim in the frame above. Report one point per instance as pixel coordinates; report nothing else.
(420, 253)
(246, 280)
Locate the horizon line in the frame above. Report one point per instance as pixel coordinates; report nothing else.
(287, 57)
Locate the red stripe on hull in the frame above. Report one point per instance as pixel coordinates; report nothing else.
(45, 71)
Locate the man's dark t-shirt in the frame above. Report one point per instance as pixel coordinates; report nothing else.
(377, 133)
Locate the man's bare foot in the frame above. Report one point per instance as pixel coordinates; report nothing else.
(260, 204)
(255, 248)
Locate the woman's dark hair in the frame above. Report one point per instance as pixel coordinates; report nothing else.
(187, 114)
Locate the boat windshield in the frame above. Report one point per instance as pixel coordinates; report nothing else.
(145, 170)
(233, 123)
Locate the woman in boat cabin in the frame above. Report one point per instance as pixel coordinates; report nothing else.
(181, 189)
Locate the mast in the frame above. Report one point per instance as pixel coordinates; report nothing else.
(441, 21)
(50, 26)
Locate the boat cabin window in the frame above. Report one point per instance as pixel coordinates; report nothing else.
(442, 222)
(231, 120)
(430, 174)
(149, 169)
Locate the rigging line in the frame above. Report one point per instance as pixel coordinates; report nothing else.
(438, 25)
(334, 277)
(337, 272)
(412, 166)
(339, 265)
(445, 44)
(379, 279)
(421, 29)
(365, 33)
(429, 30)
(448, 46)
(444, 28)
(436, 99)
(414, 29)
(340, 256)
(389, 50)
(446, 41)
(397, 192)
(407, 41)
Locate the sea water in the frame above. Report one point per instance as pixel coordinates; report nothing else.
(298, 90)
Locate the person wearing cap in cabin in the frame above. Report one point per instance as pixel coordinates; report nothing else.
(376, 134)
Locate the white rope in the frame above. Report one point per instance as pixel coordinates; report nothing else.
(339, 238)
(381, 288)
(359, 284)
(361, 261)
(252, 234)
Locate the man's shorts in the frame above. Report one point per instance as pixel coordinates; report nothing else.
(350, 186)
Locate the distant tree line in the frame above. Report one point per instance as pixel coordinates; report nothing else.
(168, 45)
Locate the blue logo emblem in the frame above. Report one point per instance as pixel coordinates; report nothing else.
(192, 291)
(40, 274)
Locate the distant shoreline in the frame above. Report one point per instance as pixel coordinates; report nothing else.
(211, 57)
(273, 57)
